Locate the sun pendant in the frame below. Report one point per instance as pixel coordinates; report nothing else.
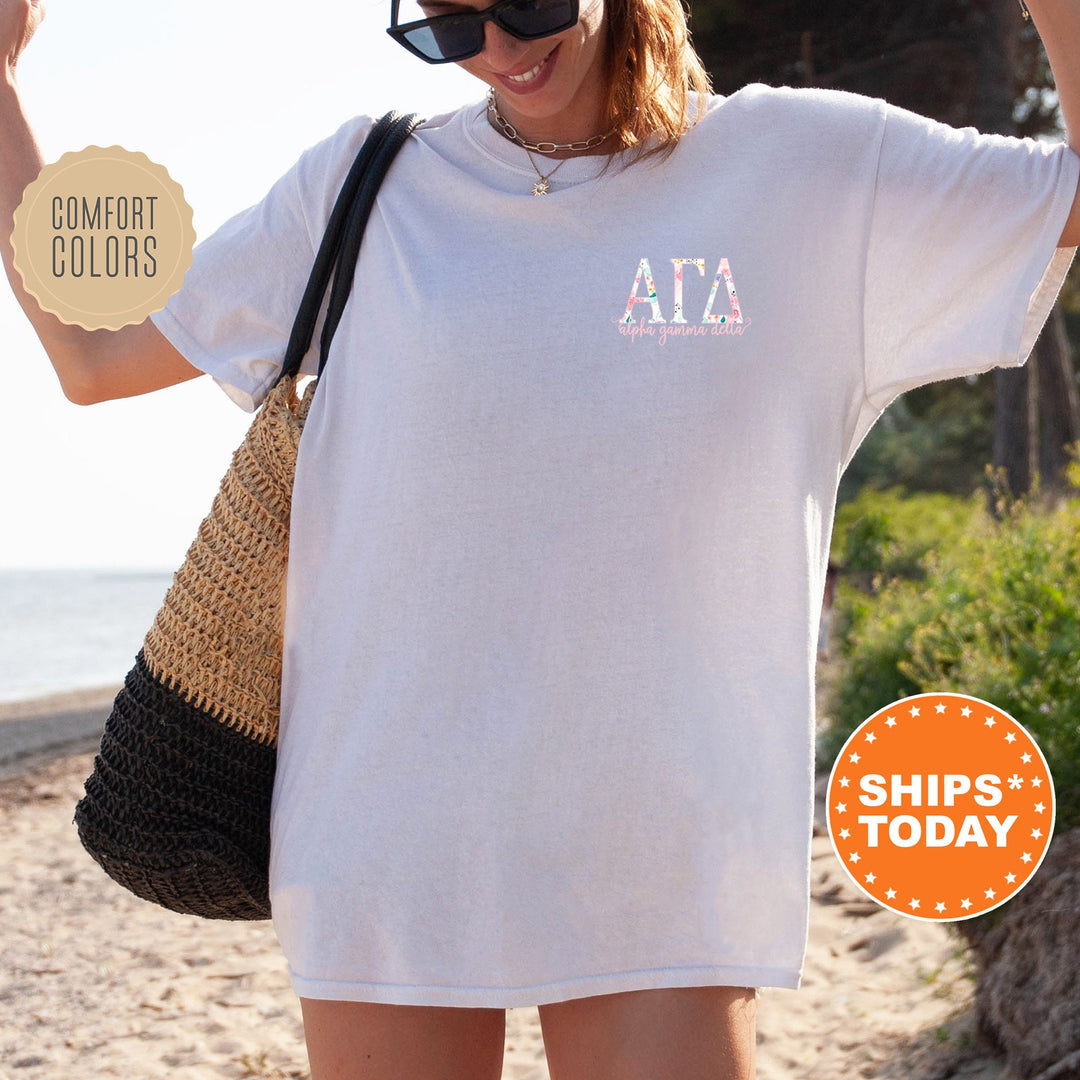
(541, 187)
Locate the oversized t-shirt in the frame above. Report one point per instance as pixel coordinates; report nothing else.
(562, 515)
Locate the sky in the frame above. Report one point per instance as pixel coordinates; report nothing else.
(226, 95)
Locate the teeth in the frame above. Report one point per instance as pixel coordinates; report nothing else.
(529, 75)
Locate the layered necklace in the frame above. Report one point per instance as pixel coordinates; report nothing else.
(541, 187)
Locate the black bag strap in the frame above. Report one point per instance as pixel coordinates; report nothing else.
(341, 242)
(400, 129)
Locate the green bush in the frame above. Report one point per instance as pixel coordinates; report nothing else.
(888, 533)
(996, 615)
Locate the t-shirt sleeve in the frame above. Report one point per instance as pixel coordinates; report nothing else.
(233, 316)
(962, 264)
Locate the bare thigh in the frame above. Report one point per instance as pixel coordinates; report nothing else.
(685, 1033)
(353, 1040)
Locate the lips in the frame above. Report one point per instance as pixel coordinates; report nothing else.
(525, 82)
(529, 76)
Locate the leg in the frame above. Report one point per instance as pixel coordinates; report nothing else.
(685, 1033)
(355, 1040)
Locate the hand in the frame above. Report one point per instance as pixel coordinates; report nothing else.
(18, 21)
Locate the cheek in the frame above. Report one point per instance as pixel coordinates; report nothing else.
(469, 66)
(594, 32)
(592, 18)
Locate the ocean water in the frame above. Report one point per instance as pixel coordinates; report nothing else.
(72, 629)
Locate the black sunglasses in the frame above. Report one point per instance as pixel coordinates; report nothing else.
(459, 35)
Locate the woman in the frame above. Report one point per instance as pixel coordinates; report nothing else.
(562, 515)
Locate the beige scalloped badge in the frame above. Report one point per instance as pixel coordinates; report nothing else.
(103, 237)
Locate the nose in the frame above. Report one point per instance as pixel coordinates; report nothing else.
(502, 50)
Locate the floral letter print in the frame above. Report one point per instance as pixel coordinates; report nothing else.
(723, 270)
(700, 264)
(659, 330)
(628, 316)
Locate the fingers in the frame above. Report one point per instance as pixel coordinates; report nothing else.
(18, 21)
(34, 15)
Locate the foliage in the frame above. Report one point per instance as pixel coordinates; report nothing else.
(886, 534)
(997, 616)
(936, 438)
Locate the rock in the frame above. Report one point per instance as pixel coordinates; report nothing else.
(1028, 998)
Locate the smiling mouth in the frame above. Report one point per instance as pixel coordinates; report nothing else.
(528, 76)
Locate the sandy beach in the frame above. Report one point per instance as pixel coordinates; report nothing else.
(96, 983)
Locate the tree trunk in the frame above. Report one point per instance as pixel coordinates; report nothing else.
(1059, 402)
(995, 81)
(1015, 447)
(1016, 423)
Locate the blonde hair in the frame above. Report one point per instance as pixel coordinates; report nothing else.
(651, 69)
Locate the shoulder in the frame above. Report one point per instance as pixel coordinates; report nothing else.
(322, 167)
(829, 134)
(790, 109)
(326, 161)
(335, 151)
(347, 139)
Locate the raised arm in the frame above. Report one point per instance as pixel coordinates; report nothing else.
(1058, 22)
(93, 365)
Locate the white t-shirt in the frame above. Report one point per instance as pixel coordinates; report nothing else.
(559, 545)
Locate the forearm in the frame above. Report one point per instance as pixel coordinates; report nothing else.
(1058, 23)
(20, 163)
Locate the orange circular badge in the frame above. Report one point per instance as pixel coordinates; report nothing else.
(940, 807)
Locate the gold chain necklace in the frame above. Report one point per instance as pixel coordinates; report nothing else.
(541, 187)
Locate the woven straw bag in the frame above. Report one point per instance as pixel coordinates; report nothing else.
(177, 809)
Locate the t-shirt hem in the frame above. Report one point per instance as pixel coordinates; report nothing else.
(1048, 266)
(512, 997)
(248, 396)
(1039, 304)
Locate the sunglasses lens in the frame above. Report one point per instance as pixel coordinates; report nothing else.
(449, 39)
(538, 18)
